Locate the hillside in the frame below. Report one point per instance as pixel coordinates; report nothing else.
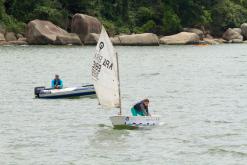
(162, 17)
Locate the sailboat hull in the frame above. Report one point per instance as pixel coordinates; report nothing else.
(134, 121)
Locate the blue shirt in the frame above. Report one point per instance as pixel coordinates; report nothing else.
(59, 82)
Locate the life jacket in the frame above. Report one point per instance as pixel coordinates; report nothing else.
(137, 106)
(57, 82)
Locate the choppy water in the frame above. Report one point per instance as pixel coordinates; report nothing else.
(200, 92)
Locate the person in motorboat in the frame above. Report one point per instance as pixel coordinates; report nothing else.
(141, 108)
(57, 83)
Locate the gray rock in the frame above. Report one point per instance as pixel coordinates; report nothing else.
(115, 40)
(244, 29)
(10, 36)
(4, 43)
(91, 39)
(19, 35)
(22, 39)
(194, 30)
(180, 39)
(44, 32)
(231, 35)
(237, 41)
(237, 30)
(83, 25)
(68, 39)
(18, 42)
(139, 39)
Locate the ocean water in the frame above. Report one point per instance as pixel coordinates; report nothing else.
(200, 92)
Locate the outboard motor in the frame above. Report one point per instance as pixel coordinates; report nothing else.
(37, 90)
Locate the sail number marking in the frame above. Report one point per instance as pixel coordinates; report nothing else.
(99, 61)
(107, 64)
(96, 65)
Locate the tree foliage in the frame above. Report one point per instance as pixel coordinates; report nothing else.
(128, 16)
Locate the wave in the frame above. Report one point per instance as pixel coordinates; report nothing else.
(225, 151)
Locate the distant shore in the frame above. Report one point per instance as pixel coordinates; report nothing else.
(85, 30)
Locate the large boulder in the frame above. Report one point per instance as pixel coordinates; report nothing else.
(68, 39)
(237, 30)
(91, 39)
(232, 36)
(10, 36)
(139, 39)
(83, 25)
(44, 32)
(2, 38)
(244, 29)
(194, 30)
(180, 39)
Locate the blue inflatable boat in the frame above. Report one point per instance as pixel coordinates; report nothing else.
(42, 92)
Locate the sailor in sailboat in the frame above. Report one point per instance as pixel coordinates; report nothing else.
(141, 108)
(106, 79)
(57, 83)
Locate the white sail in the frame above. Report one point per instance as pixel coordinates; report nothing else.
(105, 72)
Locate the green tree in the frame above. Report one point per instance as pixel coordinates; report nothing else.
(127, 16)
(227, 14)
(171, 22)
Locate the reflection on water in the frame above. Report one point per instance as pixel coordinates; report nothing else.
(106, 135)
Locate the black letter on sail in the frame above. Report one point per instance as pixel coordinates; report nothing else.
(101, 45)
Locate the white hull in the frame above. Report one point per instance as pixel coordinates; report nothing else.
(66, 92)
(134, 121)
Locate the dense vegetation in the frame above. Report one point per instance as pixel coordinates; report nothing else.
(127, 16)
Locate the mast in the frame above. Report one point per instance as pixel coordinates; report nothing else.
(119, 91)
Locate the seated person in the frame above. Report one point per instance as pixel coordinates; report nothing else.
(141, 108)
(57, 83)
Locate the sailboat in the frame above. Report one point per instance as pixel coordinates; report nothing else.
(106, 80)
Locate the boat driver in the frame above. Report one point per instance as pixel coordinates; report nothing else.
(141, 108)
(57, 83)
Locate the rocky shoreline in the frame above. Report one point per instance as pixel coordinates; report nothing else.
(85, 31)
